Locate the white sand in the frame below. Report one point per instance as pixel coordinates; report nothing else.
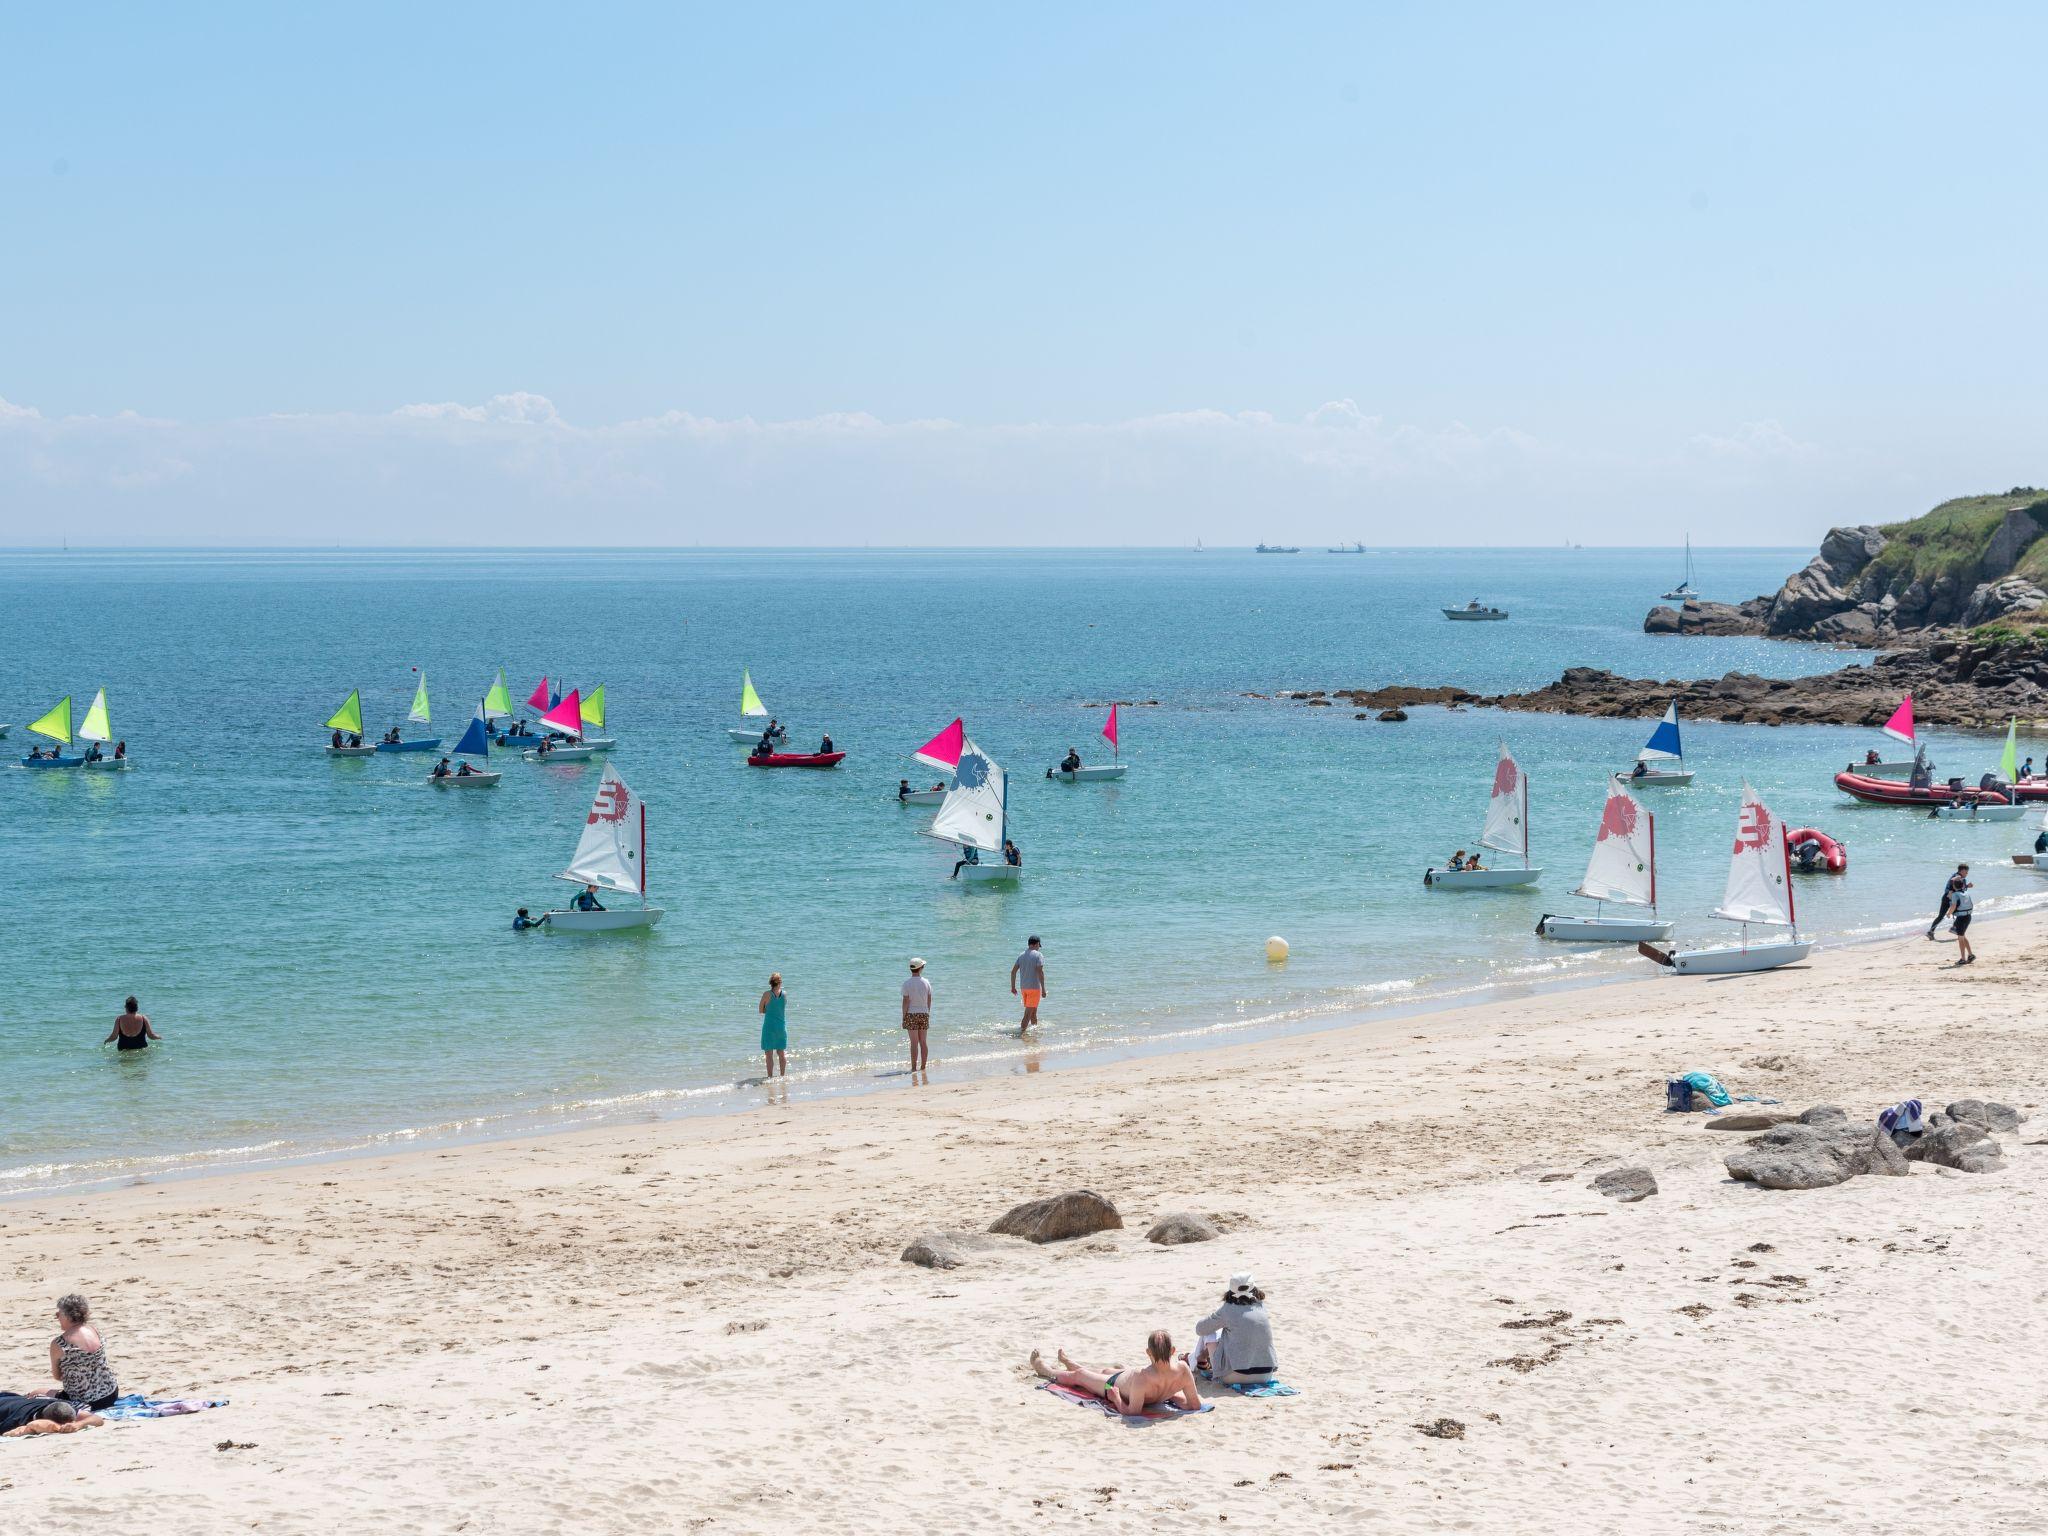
(705, 1326)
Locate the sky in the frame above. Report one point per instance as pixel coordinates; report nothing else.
(1057, 274)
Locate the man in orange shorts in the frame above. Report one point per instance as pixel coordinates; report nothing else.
(1028, 977)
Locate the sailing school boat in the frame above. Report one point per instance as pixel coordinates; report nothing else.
(564, 724)
(974, 816)
(753, 709)
(1621, 872)
(476, 742)
(592, 711)
(99, 730)
(348, 720)
(1662, 747)
(1759, 893)
(420, 714)
(56, 725)
(612, 855)
(1506, 830)
(1090, 774)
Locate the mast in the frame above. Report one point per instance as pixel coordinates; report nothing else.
(1525, 820)
(1653, 863)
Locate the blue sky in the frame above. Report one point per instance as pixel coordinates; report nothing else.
(1131, 273)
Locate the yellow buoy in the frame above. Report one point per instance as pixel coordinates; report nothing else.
(1276, 948)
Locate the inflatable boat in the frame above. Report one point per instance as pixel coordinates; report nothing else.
(794, 759)
(1832, 858)
(1872, 791)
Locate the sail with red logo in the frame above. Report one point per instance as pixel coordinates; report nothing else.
(611, 855)
(1505, 829)
(1759, 891)
(1622, 871)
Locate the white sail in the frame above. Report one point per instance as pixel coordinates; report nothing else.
(1624, 863)
(613, 849)
(1759, 873)
(1507, 813)
(973, 810)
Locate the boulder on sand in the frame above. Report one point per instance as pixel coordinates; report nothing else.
(1963, 1145)
(1749, 1120)
(1815, 1155)
(1992, 1116)
(1627, 1185)
(1075, 1214)
(1177, 1227)
(934, 1250)
(1824, 1114)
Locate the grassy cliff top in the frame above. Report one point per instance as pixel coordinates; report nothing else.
(1950, 540)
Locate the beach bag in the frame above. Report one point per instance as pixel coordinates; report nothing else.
(1678, 1096)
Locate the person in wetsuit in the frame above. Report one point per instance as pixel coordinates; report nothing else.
(586, 900)
(521, 922)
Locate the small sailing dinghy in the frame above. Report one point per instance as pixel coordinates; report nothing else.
(1685, 591)
(1899, 728)
(1662, 747)
(1506, 831)
(612, 855)
(100, 732)
(1759, 892)
(974, 816)
(1623, 871)
(476, 742)
(420, 714)
(752, 707)
(348, 720)
(520, 734)
(564, 720)
(936, 795)
(1100, 771)
(593, 720)
(57, 726)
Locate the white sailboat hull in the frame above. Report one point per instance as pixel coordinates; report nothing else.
(362, 751)
(982, 874)
(1733, 959)
(1480, 879)
(611, 921)
(559, 754)
(750, 738)
(922, 797)
(1087, 775)
(466, 780)
(1980, 812)
(1678, 776)
(1603, 930)
(109, 765)
(600, 743)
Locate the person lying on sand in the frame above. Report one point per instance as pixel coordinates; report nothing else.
(21, 1415)
(1163, 1380)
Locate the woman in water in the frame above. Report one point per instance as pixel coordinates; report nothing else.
(774, 1012)
(131, 1031)
(78, 1359)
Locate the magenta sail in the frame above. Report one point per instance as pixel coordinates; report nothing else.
(943, 750)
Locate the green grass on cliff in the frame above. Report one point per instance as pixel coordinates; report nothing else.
(1950, 540)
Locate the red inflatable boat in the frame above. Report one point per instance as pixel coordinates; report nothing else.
(1861, 786)
(1833, 859)
(795, 759)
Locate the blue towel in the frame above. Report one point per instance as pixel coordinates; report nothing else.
(135, 1406)
(1262, 1389)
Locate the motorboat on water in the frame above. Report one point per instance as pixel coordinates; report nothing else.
(1621, 872)
(974, 816)
(612, 855)
(1074, 771)
(1813, 852)
(1475, 612)
(1758, 893)
(1663, 747)
(1279, 549)
(1506, 830)
(795, 759)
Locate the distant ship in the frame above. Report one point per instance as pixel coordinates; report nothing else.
(1347, 549)
(1279, 549)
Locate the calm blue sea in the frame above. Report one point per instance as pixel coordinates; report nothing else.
(327, 947)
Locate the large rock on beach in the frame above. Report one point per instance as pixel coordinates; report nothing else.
(1815, 1155)
(1750, 1120)
(1824, 1114)
(1177, 1227)
(1992, 1116)
(934, 1250)
(1963, 1145)
(1628, 1185)
(1057, 1217)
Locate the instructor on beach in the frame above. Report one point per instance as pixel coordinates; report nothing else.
(1029, 970)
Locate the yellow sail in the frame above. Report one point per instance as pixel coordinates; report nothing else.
(350, 716)
(750, 701)
(593, 706)
(96, 727)
(499, 700)
(57, 723)
(421, 713)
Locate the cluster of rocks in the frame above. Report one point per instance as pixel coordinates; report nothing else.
(1056, 1218)
(1822, 1146)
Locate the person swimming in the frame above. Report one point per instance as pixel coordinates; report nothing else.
(521, 922)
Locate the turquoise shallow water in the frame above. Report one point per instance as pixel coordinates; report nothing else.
(327, 945)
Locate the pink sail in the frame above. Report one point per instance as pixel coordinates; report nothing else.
(943, 750)
(1109, 727)
(567, 716)
(1900, 726)
(539, 698)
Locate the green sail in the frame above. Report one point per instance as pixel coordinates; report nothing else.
(420, 712)
(593, 707)
(2009, 764)
(96, 727)
(499, 700)
(350, 716)
(750, 701)
(57, 723)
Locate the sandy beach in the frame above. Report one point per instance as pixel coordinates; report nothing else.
(706, 1325)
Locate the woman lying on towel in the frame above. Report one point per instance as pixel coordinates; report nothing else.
(1163, 1381)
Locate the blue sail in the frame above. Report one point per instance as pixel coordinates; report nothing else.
(476, 741)
(1663, 741)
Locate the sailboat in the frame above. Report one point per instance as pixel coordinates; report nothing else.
(1685, 591)
(1759, 892)
(99, 731)
(1974, 805)
(349, 721)
(593, 717)
(1089, 775)
(611, 854)
(420, 714)
(1663, 747)
(975, 815)
(1506, 830)
(476, 742)
(564, 721)
(1899, 728)
(751, 707)
(522, 735)
(57, 726)
(498, 700)
(1622, 870)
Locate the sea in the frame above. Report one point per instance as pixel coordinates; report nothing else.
(326, 946)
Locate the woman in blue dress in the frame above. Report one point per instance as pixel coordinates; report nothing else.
(774, 1028)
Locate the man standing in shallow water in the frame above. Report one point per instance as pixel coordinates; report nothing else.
(1029, 971)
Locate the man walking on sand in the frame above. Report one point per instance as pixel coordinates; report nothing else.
(1948, 896)
(917, 1015)
(1029, 973)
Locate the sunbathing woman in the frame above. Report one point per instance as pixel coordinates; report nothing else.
(1163, 1380)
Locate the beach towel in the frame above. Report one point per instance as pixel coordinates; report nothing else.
(1262, 1389)
(1089, 1400)
(1707, 1084)
(1903, 1116)
(135, 1406)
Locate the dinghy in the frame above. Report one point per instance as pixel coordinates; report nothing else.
(1506, 831)
(100, 732)
(349, 721)
(476, 742)
(57, 726)
(1662, 747)
(795, 759)
(752, 707)
(612, 855)
(564, 720)
(1977, 810)
(934, 796)
(1623, 871)
(593, 720)
(419, 714)
(1100, 771)
(974, 816)
(1759, 892)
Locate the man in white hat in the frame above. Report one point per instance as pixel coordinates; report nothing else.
(917, 1014)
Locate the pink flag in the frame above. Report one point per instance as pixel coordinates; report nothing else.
(567, 716)
(539, 699)
(1109, 729)
(943, 750)
(1900, 726)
